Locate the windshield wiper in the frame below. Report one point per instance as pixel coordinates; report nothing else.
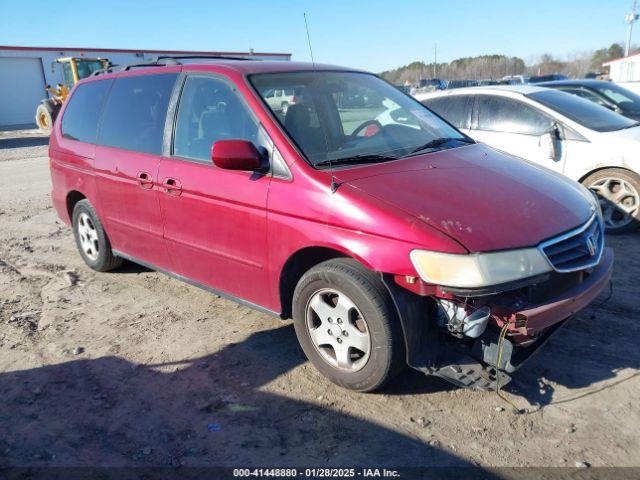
(376, 158)
(437, 142)
(373, 158)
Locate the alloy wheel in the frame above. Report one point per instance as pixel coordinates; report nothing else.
(88, 236)
(619, 201)
(338, 330)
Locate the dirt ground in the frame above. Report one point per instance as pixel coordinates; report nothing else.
(135, 368)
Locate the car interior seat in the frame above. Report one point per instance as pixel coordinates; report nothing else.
(298, 124)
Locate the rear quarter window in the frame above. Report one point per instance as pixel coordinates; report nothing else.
(80, 119)
(134, 114)
(456, 109)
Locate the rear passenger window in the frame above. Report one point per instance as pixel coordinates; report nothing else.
(210, 111)
(497, 114)
(134, 114)
(80, 118)
(455, 109)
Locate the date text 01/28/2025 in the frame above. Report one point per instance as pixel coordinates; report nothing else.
(316, 472)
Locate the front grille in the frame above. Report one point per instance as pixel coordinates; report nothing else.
(578, 249)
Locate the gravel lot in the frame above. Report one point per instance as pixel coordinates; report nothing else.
(134, 368)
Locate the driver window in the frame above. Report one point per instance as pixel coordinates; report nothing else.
(586, 95)
(209, 111)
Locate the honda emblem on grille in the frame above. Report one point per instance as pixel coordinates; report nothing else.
(591, 245)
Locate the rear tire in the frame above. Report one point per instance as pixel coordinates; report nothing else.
(91, 239)
(44, 119)
(369, 332)
(619, 193)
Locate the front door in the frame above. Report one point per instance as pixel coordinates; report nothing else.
(518, 129)
(214, 219)
(127, 163)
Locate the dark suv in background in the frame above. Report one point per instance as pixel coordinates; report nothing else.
(546, 78)
(608, 94)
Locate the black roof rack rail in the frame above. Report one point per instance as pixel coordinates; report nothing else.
(104, 71)
(151, 63)
(124, 68)
(204, 57)
(166, 60)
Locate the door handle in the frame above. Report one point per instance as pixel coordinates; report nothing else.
(172, 186)
(145, 180)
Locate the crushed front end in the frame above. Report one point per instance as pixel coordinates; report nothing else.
(454, 333)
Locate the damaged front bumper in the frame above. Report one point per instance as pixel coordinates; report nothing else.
(472, 363)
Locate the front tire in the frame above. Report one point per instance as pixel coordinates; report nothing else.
(91, 239)
(619, 193)
(347, 325)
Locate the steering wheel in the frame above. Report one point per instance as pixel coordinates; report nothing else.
(366, 124)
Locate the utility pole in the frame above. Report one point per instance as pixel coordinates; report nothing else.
(435, 58)
(630, 18)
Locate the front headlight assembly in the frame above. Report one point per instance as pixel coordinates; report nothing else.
(479, 269)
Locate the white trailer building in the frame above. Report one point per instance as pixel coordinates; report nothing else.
(25, 71)
(625, 71)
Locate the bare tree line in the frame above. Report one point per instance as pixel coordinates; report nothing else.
(486, 66)
(497, 66)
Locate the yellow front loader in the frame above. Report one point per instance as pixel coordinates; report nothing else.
(73, 70)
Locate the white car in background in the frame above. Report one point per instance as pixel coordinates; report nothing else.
(515, 79)
(565, 133)
(280, 100)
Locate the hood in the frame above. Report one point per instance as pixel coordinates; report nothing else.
(622, 147)
(628, 134)
(484, 199)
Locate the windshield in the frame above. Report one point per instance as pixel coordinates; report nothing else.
(87, 67)
(622, 97)
(584, 112)
(349, 117)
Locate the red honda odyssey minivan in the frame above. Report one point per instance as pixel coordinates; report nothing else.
(387, 235)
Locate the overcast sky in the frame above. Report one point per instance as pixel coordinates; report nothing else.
(371, 34)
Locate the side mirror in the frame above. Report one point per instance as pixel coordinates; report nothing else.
(236, 155)
(547, 143)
